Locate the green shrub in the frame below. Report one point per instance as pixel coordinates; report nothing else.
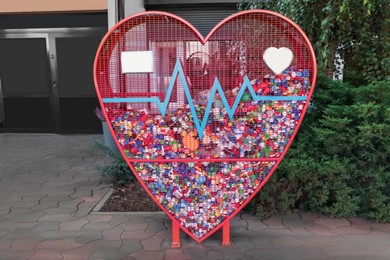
(117, 170)
(339, 162)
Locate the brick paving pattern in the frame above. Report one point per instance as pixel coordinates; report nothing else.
(49, 185)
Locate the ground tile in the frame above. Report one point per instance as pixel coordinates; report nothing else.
(3, 233)
(87, 205)
(16, 254)
(93, 199)
(4, 225)
(381, 227)
(105, 254)
(256, 225)
(45, 226)
(161, 217)
(57, 198)
(99, 218)
(237, 222)
(332, 222)
(224, 254)
(5, 243)
(62, 244)
(198, 251)
(382, 238)
(27, 243)
(132, 226)
(73, 225)
(105, 245)
(22, 226)
(19, 234)
(20, 211)
(57, 217)
(152, 244)
(241, 246)
(275, 233)
(265, 253)
(307, 252)
(262, 241)
(56, 211)
(166, 234)
(46, 205)
(362, 223)
(295, 222)
(175, 254)
(147, 255)
(113, 234)
(46, 254)
(362, 242)
(118, 219)
(98, 226)
(186, 242)
(344, 230)
(139, 219)
(69, 204)
(80, 253)
(136, 234)
(57, 235)
(300, 232)
(81, 213)
(249, 257)
(129, 246)
(379, 252)
(274, 222)
(155, 227)
(212, 243)
(345, 250)
(320, 230)
(287, 241)
(30, 217)
(242, 234)
(88, 235)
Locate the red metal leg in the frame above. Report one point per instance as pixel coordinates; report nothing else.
(175, 235)
(226, 234)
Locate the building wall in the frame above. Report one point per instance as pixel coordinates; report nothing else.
(69, 107)
(45, 6)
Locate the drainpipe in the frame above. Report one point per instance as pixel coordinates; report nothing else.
(133, 7)
(119, 9)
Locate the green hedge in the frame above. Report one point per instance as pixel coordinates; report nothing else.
(339, 162)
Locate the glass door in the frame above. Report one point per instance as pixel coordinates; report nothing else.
(77, 99)
(46, 80)
(25, 85)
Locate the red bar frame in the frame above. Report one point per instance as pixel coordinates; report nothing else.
(176, 235)
(226, 224)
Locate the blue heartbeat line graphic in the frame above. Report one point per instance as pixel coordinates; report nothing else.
(200, 127)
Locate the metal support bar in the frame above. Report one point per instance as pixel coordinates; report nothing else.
(226, 234)
(175, 235)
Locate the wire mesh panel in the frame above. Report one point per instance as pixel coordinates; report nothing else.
(203, 123)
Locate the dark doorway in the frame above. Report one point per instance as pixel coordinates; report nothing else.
(46, 80)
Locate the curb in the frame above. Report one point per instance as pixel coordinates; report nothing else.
(100, 204)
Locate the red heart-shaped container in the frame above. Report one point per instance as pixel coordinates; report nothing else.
(204, 122)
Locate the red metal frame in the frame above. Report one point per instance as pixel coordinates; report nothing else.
(116, 34)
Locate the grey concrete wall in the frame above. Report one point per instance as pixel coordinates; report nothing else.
(119, 9)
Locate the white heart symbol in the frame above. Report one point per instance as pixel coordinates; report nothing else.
(278, 59)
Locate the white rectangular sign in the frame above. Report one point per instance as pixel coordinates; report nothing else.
(137, 61)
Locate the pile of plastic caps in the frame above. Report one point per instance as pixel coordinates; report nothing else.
(200, 193)
(258, 129)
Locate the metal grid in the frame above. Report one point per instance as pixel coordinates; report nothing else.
(209, 124)
(233, 51)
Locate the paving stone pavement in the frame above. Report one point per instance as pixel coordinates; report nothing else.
(49, 185)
